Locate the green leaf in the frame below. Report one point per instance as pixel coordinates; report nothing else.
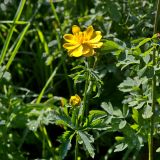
(142, 71)
(129, 85)
(125, 110)
(146, 59)
(49, 60)
(122, 124)
(65, 139)
(10, 33)
(107, 107)
(143, 42)
(115, 14)
(158, 149)
(140, 105)
(32, 115)
(137, 40)
(43, 41)
(20, 40)
(86, 141)
(97, 113)
(147, 112)
(74, 117)
(120, 147)
(64, 119)
(111, 46)
(135, 115)
(37, 118)
(155, 36)
(97, 124)
(118, 113)
(134, 126)
(149, 51)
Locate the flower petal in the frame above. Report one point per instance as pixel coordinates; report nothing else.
(96, 45)
(86, 49)
(96, 37)
(75, 29)
(90, 53)
(69, 38)
(70, 46)
(76, 52)
(89, 33)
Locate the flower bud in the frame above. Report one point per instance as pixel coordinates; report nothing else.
(75, 100)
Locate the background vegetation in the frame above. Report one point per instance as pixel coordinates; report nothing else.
(37, 79)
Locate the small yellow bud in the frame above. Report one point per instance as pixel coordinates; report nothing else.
(75, 100)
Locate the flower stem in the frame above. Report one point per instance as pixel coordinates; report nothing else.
(76, 148)
(85, 94)
(150, 135)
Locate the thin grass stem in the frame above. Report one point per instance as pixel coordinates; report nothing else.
(20, 37)
(150, 136)
(59, 44)
(9, 36)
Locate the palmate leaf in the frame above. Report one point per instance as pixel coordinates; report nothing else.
(32, 115)
(107, 107)
(95, 115)
(129, 60)
(87, 143)
(95, 120)
(79, 75)
(65, 139)
(130, 84)
(98, 124)
(63, 119)
(113, 112)
(95, 83)
(43, 117)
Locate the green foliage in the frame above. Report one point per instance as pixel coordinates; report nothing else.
(87, 139)
(37, 78)
(65, 139)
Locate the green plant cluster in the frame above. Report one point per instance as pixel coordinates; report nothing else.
(118, 117)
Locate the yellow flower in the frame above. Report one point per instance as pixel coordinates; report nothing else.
(75, 100)
(82, 43)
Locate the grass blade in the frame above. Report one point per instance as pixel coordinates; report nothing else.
(20, 37)
(6, 44)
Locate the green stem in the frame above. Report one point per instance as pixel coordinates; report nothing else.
(76, 148)
(46, 138)
(55, 13)
(43, 147)
(85, 95)
(150, 136)
(126, 155)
